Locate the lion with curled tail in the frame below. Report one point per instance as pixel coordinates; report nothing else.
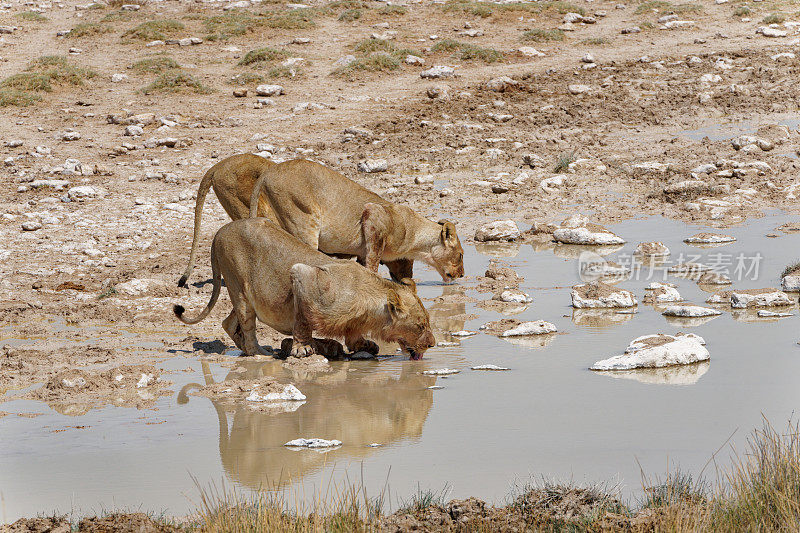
(331, 213)
(297, 290)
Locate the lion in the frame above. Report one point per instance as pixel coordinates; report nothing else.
(297, 290)
(332, 213)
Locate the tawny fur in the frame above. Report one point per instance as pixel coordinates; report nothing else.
(272, 276)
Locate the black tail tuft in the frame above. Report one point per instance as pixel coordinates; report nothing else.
(178, 310)
(182, 281)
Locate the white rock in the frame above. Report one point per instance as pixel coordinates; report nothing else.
(489, 367)
(499, 230)
(313, 443)
(269, 90)
(413, 60)
(55, 184)
(144, 381)
(133, 130)
(373, 165)
(655, 248)
(772, 314)
(657, 351)
(31, 225)
(515, 296)
(500, 84)
(441, 372)
(345, 61)
(116, 78)
(606, 296)
(83, 191)
(690, 311)
(708, 238)
(773, 298)
(766, 31)
(578, 89)
(140, 286)
(791, 283)
(553, 183)
(464, 333)
(665, 294)
(70, 136)
(289, 393)
(438, 71)
(529, 51)
(584, 235)
(679, 24)
(537, 327)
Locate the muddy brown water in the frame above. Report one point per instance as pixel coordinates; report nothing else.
(480, 434)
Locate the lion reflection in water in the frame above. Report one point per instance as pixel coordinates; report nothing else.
(353, 403)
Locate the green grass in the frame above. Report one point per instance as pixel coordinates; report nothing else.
(652, 6)
(231, 24)
(296, 19)
(108, 292)
(683, 9)
(262, 57)
(423, 499)
(155, 30)
(774, 18)
(467, 52)
(88, 29)
(742, 11)
(596, 41)
(246, 78)
(487, 9)
(391, 11)
(678, 487)
(14, 97)
(349, 15)
(564, 161)
(285, 71)
(46, 72)
(542, 36)
(31, 16)
(155, 65)
(176, 81)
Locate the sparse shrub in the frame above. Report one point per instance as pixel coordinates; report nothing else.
(375, 62)
(176, 81)
(88, 29)
(14, 97)
(742, 11)
(45, 72)
(285, 71)
(262, 57)
(392, 10)
(296, 19)
(155, 65)
(564, 161)
(774, 18)
(154, 30)
(349, 15)
(682, 9)
(31, 16)
(467, 52)
(231, 24)
(246, 78)
(119, 15)
(652, 7)
(470, 7)
(540, 36)
(596, 41)
(791, 268)
(678, 487)
(564, 7)
(423, 499)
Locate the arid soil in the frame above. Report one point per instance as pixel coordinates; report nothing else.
(105, 143)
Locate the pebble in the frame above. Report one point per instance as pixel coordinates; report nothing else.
(269, 90)
(438, 71)
(373, 165)
(31, 225)
(70, 136)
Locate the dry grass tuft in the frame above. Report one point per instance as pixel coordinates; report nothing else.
(155, 30)
(176, 81)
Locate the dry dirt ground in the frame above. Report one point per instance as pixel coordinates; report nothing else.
(111, 114)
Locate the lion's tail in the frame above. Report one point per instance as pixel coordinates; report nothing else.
(179, 309)
(205, 185)
(254, 196)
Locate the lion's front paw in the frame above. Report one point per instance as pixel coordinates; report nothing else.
(300, 349)
(364, 345)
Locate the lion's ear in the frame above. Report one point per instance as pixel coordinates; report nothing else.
(394, 304)
(448, 233)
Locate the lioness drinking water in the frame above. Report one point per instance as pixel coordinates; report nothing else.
(297, 290)
(332, 213)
